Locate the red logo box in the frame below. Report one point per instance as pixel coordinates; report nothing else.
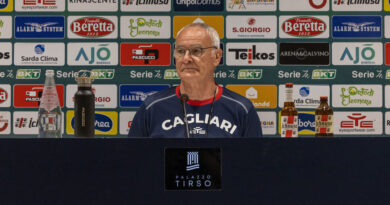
(387, 53)
(146, 54)
(29, 95)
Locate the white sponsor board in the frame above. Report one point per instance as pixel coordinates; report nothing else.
(268, 122)
(26, 123)
(387, 123)
(5, 95)
(250, 5)
(358, 123)
(5, 27)
(6, 53)
(387, 96)
(93, 27)
(125, 120)
(5, 123)
(361, 5)
(241, 27)
(305, 96)
(251, 54)
(111, 5)
(387, 26)
(92, 53)
(39, 5)
(304, 5)
(39, 54)
(105, 96)
(141, 5)
(304, 26)
(363, 95)
(357, 53)
(145, 27)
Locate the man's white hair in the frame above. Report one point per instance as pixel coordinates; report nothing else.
(210, 30)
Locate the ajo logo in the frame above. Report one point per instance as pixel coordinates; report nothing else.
(102, 53)
(367, 53)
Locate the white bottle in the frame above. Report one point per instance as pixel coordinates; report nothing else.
(49, 116)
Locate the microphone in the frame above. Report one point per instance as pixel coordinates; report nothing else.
(183, 100)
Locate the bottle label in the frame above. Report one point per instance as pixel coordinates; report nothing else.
(49, 99)
(289, 126)
(49, 122)
(324, 124)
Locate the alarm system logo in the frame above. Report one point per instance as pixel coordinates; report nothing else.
(42, 27)
(357, 26)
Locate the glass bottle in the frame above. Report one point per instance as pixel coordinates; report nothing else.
(324, 118)
(49, 116)
(289, 115)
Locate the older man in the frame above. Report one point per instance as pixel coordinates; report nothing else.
(211, 110)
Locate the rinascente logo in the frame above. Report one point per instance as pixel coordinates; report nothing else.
(5, 53)
(352, 123)
(39, 27)
(304, 54)
(357, 53)
(251, 54)
(304, 5)
(250, 5)
(92, 54)
(134, 95)
(92, 27)
(39, 54)
(303, 27)
(39, 5)
(357, 5)
(105, 96)
(198, 5)
(357, 96)
(148, 5)
(189, 169)
(357, 26)
(5, 27)
(145, 54)
(305, 96)
(92, 5)
(242, 27)
(149, 27)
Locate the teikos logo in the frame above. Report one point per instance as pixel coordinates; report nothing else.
(369, 53)
(125, 120)
(28, 74)
(6, 5)
(92, 27)
(357, 5)
(106, 122)
(148, 5)
(262, 96)
(5, 27)
(249, 5)
(107, 5)
(150, 27)
(217, 22)
(195, 5)
(323, 74)
(189, 169)
(134, 95)
(92, 54)
(40, 5)
(304, 54)
(5, 95)
(303, 27)
(28, 96)
(251, 54)
(40, 54)
(146, 54)
(352, 123)
(39, 27)
(304, 5)
(305, 96)
(5, 53)
(105, 96)
(357, 96)
(242, 27)
(5, 123)
(357, 26)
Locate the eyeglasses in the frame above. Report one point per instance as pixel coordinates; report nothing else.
(195, 51)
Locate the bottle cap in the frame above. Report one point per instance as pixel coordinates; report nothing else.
(84, 78)
(324, 97)
(289, 84)
(49, 73)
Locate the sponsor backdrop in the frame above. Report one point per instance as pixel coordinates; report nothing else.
(334, 48)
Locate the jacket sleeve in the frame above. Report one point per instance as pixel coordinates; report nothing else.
(139, 125)
(253, 125)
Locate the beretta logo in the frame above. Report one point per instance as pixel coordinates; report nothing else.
(39, 27)
(362, 53)
(152, 27)
(251, 26)
(92, 54)
(5, 53)
(303, 27)
(92, 27)
(29, 95)
(198, 5)
(134, 95)
(146, 54)
(40, 5)
(41, 54)
(251, 54)
(357, 96)
(352, 123)
(304, 54)
(304, 5)
(357, 26)
(28, 74)
(5, 95)
(250, 5)
(193, 169)
(92, 5)
(5, 27)
(357, 5)
(146, 5)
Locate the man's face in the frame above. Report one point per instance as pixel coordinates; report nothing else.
(194, 68)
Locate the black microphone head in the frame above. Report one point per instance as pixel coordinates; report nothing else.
(184, 97)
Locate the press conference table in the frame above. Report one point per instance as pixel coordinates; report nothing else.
(254, 171)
